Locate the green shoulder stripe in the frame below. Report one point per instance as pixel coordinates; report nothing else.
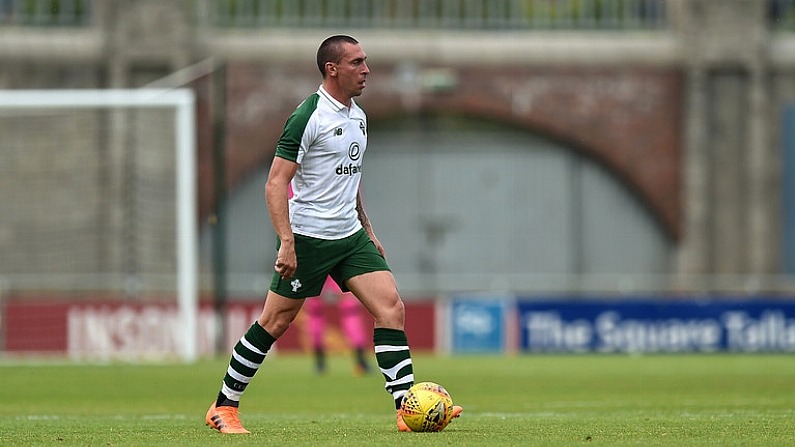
(294, 128)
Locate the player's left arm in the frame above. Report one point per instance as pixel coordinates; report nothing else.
(366, 223)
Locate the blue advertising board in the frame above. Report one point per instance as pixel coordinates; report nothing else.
(478, 325)
(656, 325)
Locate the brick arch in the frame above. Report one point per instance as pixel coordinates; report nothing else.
(638, 189)
(628, 119)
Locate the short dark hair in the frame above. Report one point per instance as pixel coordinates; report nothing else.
(331, 51)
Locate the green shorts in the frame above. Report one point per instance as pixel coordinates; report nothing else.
(319, 258)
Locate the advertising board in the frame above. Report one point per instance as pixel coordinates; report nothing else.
(657, 325)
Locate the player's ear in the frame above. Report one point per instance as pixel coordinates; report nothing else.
(331, 68)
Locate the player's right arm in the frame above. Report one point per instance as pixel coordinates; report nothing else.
(276, 195)
(297, 137)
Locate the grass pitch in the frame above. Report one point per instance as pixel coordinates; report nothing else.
(588, 400)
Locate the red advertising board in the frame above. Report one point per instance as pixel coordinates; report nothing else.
(105, 329)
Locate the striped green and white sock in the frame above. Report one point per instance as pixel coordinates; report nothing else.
(247, 356)
(394, 360)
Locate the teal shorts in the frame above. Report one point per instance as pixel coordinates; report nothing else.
(319, 258)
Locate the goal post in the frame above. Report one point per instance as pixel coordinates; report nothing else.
(182, 101)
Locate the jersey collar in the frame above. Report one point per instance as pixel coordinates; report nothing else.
(338, 105)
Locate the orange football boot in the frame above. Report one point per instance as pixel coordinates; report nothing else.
(457, 409)
(225, 420)
(400, 423)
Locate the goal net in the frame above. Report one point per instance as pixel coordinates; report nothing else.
(98, 229)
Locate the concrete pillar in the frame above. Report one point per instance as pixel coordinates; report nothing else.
(728, 205)
(146, 40)
(761, 190)
(693, 250)
(150, 34)
(726, 116)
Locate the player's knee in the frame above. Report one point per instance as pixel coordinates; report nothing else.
(276, 325)
(276, 329)
(398, 309)
(393, 313)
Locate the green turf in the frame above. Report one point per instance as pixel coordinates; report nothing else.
(590, 400)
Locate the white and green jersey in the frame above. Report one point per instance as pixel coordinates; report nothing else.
(327, 140)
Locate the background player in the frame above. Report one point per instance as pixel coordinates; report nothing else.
(350, 322)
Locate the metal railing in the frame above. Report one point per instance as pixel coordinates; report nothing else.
(434, 14)
(396, 14)
(43, 13)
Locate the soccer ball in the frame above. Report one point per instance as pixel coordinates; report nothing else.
(427, 406)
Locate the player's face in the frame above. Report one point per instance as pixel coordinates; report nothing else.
(352, 70)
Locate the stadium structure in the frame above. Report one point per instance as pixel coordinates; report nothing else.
(547, 175)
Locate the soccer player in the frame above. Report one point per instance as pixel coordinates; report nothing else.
(323, 230)
(350, 322)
